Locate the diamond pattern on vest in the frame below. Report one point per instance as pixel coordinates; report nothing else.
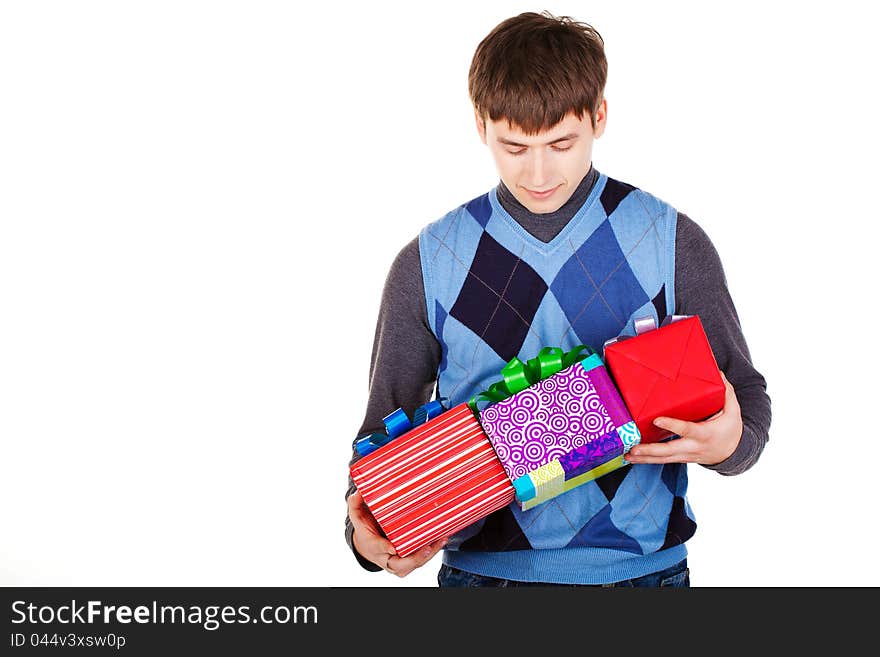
(671, 474)
(659, 301)
(680, 527)
(610, 482)
(440, 319)
(640, 508)
(632, 511)
(480, 209)
(597, 290)
(499, 297)
(614, 192)
(500, 531)
(600, 531)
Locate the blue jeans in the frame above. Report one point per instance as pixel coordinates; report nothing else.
(677, 576)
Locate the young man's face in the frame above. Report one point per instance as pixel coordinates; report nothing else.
(542, 171)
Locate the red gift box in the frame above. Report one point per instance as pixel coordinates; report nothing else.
(669, 371)
(433, 480)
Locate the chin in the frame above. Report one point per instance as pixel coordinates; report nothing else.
(540, 207)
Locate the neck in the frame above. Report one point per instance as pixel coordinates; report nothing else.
(546, 226)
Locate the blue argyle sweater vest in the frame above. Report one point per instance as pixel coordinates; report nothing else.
(494, 291)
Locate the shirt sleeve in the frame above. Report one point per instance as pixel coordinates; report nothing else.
(701, 289)
(405, 357)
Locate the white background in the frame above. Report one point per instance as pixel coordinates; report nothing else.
(199, 204)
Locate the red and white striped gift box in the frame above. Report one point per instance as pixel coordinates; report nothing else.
(433, 481)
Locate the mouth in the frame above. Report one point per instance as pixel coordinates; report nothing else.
(542, 195)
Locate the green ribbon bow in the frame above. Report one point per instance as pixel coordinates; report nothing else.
(520, 375)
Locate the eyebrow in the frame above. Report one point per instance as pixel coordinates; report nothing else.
(510, 142)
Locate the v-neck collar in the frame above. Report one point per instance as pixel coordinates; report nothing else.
(581, 217)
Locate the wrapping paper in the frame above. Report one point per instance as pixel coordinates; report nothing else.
(561, 431)
(433, 481)
(668, 371)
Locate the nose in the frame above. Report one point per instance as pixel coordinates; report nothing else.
(537, 170)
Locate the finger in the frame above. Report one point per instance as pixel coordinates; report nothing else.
(713, 417)
(674, 451)
(360, 513)
(361, 517)
(371, 544)
(728, 386)
(399, 567)
(405, 565)
(729, 394)
(375, 549)
(680, 427)
(368, 537)
(427, 553)
(423, 555)
(355, 501)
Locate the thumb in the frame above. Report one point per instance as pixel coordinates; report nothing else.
(679, 427)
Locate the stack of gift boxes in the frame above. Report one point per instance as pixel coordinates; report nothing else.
(551, 424)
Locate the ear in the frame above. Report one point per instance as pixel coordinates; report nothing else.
(601, 119)
(481, 125)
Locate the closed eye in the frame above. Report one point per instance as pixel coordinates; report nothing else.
(554, 147)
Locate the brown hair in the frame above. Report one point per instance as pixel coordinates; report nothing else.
(533, 69)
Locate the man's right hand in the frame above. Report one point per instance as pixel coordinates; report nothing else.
(372, 546)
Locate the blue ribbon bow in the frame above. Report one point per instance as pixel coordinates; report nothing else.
(396, 424)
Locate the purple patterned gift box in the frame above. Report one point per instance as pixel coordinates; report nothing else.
(561, 432)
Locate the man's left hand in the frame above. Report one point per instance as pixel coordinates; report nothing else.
(708, 442)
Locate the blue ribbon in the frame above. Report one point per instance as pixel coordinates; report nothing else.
(396, 424)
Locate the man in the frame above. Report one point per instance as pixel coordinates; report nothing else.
(558, 254)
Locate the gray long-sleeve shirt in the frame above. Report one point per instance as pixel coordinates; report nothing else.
(406, 353)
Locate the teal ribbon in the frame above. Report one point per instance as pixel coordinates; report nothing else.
(518, 375)
(396, 424)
